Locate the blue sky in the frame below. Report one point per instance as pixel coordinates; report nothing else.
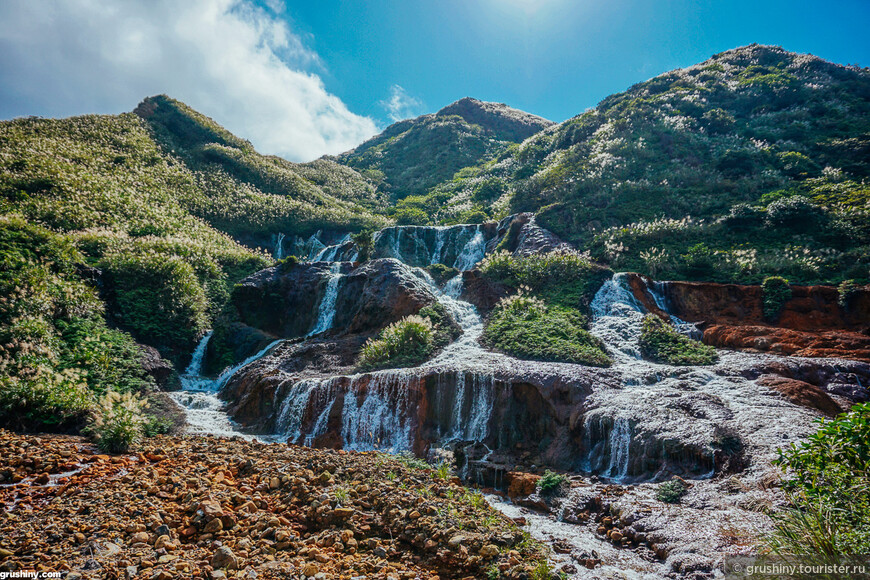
(306, 78)
(554, 58)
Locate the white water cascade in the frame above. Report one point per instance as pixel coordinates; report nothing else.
(326, 308)
(278, 254)
(198, 397)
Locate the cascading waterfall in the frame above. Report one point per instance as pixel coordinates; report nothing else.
(472, 252)
(279, 248)
(620, 444)
(379, 409)
(326, 308)
(227, 374)
(198, 397)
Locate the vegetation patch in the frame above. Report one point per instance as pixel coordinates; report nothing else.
(828, 481)
(671, 491)
(775, 292)
(552, 483)
(410, 341)
(118, 422)
(441, 273)
(564, 278)
(526, 327)
(660, 342)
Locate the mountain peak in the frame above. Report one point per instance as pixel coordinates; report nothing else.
(511, 124)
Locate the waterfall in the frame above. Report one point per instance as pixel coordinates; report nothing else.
(279, 248)
(620, 443)
(439, 246)
(192, 379)
(293, 409)
(461, 246)
(617, 318)
(472, 252)
(228, 373)
(326, 308)
(198, 397)
(330, 253)
(383, 419)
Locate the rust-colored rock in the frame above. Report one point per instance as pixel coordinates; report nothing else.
(812, 323)
(521, 484)
(801, 393)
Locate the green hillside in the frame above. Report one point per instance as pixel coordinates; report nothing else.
(412, 156)
(751, 163)
(120, 229)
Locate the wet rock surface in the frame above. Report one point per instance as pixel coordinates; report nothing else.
(211, 508)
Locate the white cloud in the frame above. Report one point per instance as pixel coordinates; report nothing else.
(229, 59)
(401, 105)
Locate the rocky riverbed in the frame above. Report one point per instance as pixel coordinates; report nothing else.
(208, 507)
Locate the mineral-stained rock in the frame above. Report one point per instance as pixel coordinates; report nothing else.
(104, 520)
(801, 393)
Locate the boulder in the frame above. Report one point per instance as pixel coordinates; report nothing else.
(801, 393)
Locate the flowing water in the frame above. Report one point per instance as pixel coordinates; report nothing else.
(326, 308)
(199, 394)
(632, 418)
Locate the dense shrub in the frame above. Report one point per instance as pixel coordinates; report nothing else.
(552, 484)
(796, 213)
(118, 422)
(409, 216)
(159, 299)
(563, 277)
(845, 292)
(775, 292)
(828, 479)
(525, 327)
(660, 342)
(405, 343)
(671, 491)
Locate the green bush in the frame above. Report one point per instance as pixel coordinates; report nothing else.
(796, 213)
(111, 359)
(42, 399)
(159, 299)
(118, 422)
(409, 216)
(660, 342)
(561, 277)
(671, 491)
(828, 479)
(846, 291)
(364, 241)
(405, 343)
(775, 292)
(552, 484)
(441, 273)
(525, 327)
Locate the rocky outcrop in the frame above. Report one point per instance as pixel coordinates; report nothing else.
(801, 393)
(811, 324)
(158, 368)
(284, 302)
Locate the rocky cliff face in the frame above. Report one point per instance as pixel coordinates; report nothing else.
(812, 323)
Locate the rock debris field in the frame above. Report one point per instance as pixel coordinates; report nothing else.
(210, 507)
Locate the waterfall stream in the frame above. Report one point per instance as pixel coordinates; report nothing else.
(326, 308)
(634, 415)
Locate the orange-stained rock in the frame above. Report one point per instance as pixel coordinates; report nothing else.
(811, 324)
(801, 393)
(783, 341)
(521, 484)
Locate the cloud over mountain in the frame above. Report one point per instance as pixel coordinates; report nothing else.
(230, 59)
